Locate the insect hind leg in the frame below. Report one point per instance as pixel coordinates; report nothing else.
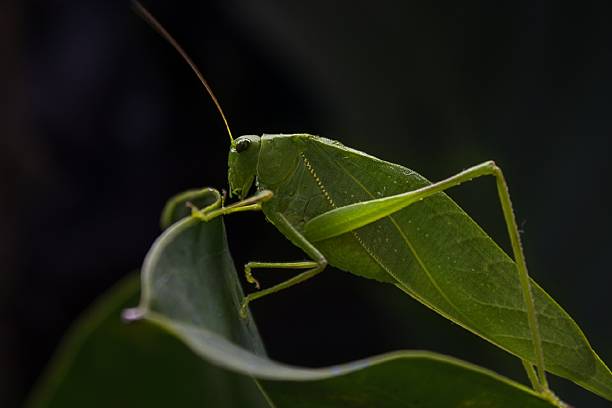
(350, 217)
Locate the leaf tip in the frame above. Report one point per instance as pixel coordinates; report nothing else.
(132, 314)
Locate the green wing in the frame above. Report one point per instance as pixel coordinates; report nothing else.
(433, 251)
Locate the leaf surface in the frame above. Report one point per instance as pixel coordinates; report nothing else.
(191, 289)
(103, 362)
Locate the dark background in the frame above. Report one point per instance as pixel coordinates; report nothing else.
(102, 122)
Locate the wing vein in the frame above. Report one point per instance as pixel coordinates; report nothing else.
(407, 242)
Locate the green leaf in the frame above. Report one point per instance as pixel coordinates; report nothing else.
(191, 289)
(103, 362)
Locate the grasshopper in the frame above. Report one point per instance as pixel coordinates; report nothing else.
(385, 222)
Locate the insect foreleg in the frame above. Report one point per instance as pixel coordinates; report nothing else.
(252, 203)
(178, 202)
(351, 217)
(317, 265)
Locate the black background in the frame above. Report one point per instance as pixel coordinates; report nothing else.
(102, 122)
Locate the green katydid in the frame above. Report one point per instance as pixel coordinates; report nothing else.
(382, 221)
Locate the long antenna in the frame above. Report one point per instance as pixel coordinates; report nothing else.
(144, 13)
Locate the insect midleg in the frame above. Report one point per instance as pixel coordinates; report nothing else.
(317, 265)
(274, 265)
(350, 217)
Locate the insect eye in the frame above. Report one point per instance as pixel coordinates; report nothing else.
(242, 145)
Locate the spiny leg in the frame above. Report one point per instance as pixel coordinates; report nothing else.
(283, 285)
(490, 168)
(317, 265)
(275, 265)
(353, 216)
(177, 203)
(252, 203)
